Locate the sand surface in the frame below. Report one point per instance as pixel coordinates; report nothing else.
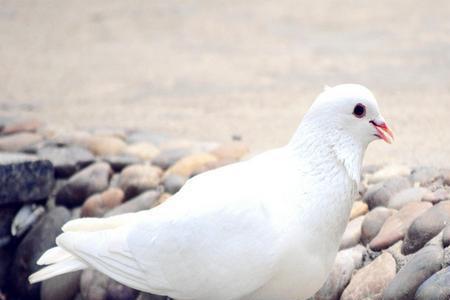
(210, 69)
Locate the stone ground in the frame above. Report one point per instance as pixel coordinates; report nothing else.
(211, 69)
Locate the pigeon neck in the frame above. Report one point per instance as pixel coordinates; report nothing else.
(319, 145)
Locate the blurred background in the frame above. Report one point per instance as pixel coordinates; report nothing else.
(213, 69)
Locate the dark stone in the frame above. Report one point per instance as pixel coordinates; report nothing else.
(169, 157)
(173, 183)
(39, 239)
(7, 214)
(146, 296)
(422, 265)
(6, 254)
(66, 160)
(144, 201)
(91, 180)
(373, 222)
(426, 226)
(97, 286)
(379, 195)
(61, 287)
(437, 287)
(119, 162)
(118, 291)
(24, 179)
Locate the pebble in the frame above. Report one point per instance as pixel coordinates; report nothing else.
(118, 291)
(119, 162)
(406, 196)
(166, 158)
(144, 201)
(426, 226)
(173, 183)
(25, 218)
(233, 150)
(61, 287)
(105, 145)
(446, 236)
(387, 173)
(190, 164)
(437, 196)
(380, 195)
(370, 281)
(422, 265)
(424, 175)
(24, 125)
(24, 179)
(395, 227)
(18, 141)
(39, 239)
(352, 233)
(359, 208)
(437, 287)
(143, 150)
(373, 222)
(345, 263)
(146, 136)
(99, 204)
(93, 285)
(91, 180)
(136, 179)
(66, 160)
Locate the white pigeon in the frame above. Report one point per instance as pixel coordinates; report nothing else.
(267, 228)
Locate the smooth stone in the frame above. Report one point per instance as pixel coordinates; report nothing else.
(370, 169)
(61, 287)
(146, 296)
(118, 291)
(144, 201)
(359, 208)
(38, 240)
(105, 145)
(7, 214)
(213, 165)
(437, 287)
(146, 136)
(24, 125)
(173, 183)
(373, 222)
(190, 164)
(91, 180)
(352, 233)
(396, 252)
(422, 265)
(66, 160)
(446, 236)
(406, 196)
(370, 281)
(231, 150)
(424, 175)
(426, 226)
(381, 194)
(119, 162)
(136, 179)
(387, 173)
(395, 227)
(93, 285)
(345, 263)
(166, 158)
(24, 179)
(25, 219)
(143, 150)
(98, 205)
(18, 141)
(437, 196)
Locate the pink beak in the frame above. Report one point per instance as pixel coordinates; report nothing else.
(383, 131)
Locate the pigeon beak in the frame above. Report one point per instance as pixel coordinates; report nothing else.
(383, 130)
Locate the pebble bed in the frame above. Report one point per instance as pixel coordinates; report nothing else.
(396, 245)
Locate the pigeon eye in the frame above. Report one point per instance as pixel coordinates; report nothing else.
(359, 111)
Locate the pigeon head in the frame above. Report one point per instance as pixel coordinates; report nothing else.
(351, 110)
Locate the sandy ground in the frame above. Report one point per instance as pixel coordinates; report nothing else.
(211, 69)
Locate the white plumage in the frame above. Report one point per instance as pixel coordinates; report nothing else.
(267, 228)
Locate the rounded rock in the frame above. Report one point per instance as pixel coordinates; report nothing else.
(395, 227)
(144, 201)
(232, 150)
(406, 196)
(379, 195)
(99, 204)
(437, 287)
(105, 145)
(373, 222)
(191, 164)
(419, 268)
(173, 183)
(352, 233)
(143, 150)
(370, 281)
(169, 157)
(91, 180)
(19, 141)
(136, 179)
(359, 208)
